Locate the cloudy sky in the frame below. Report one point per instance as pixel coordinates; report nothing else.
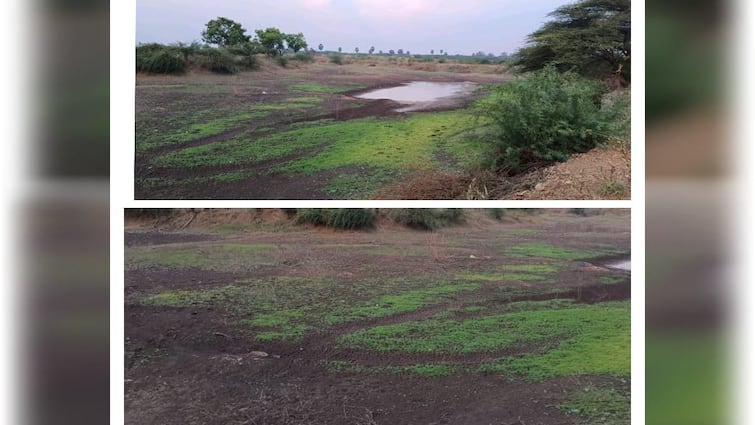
(457, 26)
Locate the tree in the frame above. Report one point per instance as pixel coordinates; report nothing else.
(296, 42)
(272, 40)
(321, 47)
(400, 51)
(591, 37)
(391, 52)
(432, 52)
(356, 49)
(372, 49)
(224, 32)
(441, 51)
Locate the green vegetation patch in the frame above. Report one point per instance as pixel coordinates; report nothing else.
(196, 131)
(223, 257)
(229, 297)
(612, 279)
(473, 309)
(523, 232)
(428, 370)
(248, 148)
(560, 320)
(520, 272)
(599, 406)
(371, 152)
(389, 305)
(404, 143)
(292, 323)
(312, 87)
(287, 307)
(533, 268)
(686, 369)
(596, 341)
(544, 250)
(361, 182)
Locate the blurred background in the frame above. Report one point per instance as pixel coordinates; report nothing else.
(59, 215)
(689, 204)
(59, 212)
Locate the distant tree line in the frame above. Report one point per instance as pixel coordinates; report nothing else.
(227, 49)
(224, 32)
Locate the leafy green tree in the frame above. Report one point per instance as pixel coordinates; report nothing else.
(295, 42)
(224, 32)
(591, 37)
(432, 52)
(339, 50)
(372, 49)
(400, 51)
(272, 41)
(391, 52)
(321, 47)
(356, 50)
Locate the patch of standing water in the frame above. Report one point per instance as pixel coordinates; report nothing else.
(423, 93)
(621, 265)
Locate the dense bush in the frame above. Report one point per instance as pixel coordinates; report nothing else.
(303, 57)
(427, 219)
(159, 59)
(217, 60)
(282, 60)
(342, 218)
(497, 213)
(336, 59)
(351, 218)
(547, 116)
(245, 54)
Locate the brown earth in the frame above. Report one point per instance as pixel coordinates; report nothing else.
(198, 365)
(602, 173)
(598, 174)
(168, 96)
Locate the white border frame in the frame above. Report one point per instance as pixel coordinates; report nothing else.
(123, 83)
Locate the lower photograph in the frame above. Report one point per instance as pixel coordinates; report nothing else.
(377, 316)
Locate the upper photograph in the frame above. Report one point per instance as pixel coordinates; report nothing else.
(383, 99)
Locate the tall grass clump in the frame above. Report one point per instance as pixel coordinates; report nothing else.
(282, 60)
(428, 219)
(244, 55)
(306, 57)
(149, 213)
(497, 213)
(351, 218)
(156, 58)
(336, 59)
(342, 218)
(547, 116)
(217, 60)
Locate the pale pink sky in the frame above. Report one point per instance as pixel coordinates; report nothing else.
(457, 26)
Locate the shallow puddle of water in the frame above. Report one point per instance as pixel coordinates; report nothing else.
(420, 92)
(621, 265)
